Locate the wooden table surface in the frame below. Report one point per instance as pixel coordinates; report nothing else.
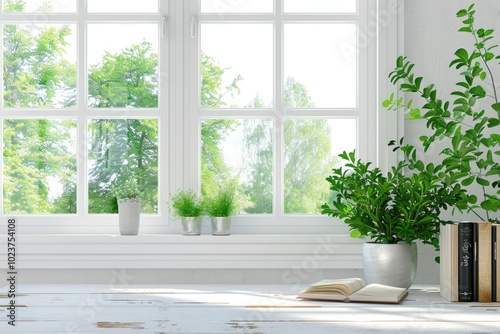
(252, 309)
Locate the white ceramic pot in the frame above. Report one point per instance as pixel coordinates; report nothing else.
(390, 264)
(191, 225)
(129, 215)
(221, 225)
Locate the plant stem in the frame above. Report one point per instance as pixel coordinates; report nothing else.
(483, 52)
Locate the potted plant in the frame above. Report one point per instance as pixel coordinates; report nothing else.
(129, 206)
(189, 207)
(393, 210)
(221, 208)
(467, 126)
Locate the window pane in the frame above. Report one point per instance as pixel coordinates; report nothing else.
(120, 149)
(320, 6)
(122, 6)
(239, 150)
(123, 65)
(236, 65)
(239, 6)
(311, 149)
(320, 58)
(44, 6)
(39, 171)
(39, 64)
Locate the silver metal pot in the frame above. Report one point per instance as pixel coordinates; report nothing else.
(191, 225)
(390, 264)
(221, 225)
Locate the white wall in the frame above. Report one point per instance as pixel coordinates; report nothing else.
(430, 41)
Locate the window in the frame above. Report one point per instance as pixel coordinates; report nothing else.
(193, 94)
(80, 109)
(280, 94)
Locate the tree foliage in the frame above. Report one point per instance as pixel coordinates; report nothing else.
(122, 149)
(214, 168)
(307, 143)
(308, 157)
(37, 74)
(39, 170)
(125, 79)
(258, 153)
(38, 154)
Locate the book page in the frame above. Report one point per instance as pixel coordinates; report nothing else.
(379, 293)
(343, 287)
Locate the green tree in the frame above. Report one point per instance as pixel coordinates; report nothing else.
(125, 79)
(258, 146)
(38, 154)
(39, 157)
(120, 149)
(36, 72)
(214, 169)
(296, 95)
(212, 92)
(124, 148)
(308, 158)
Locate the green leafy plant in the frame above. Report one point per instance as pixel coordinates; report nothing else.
(126, 189)
(469, 125)
(389, 208)
(223, 203)
(186, 203)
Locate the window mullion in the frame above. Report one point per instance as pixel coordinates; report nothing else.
(165, 82)
(82, 147)
(365, 53)
(191, 139)
(279, 119)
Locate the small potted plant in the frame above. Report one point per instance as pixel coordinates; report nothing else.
(393, 210)
(221, 208)
(129, 206)
(189, 207)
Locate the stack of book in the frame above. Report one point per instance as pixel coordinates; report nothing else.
(470, 269)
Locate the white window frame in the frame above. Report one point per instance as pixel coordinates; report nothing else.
(82, 221)
(92, 242)
(368, 143)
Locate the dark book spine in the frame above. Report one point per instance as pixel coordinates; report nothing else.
(475, 271)
(494, 264)
(465, 261)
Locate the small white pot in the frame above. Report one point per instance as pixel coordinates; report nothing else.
(221, 225)
(390, 264)
(129, 215)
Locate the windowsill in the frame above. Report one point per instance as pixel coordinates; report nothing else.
(164, 251)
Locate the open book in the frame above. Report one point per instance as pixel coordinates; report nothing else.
(353, 290)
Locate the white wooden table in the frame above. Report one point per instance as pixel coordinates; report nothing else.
(252, 309)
